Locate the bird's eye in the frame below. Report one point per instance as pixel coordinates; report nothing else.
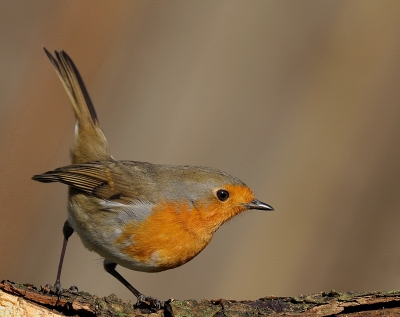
(222, 195)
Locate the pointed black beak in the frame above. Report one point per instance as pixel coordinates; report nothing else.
(256, 204)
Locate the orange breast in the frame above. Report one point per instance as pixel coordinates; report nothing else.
(176, 232)
(170, 237)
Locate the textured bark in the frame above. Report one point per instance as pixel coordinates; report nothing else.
(26, 300)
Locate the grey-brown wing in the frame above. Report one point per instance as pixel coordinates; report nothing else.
(100, 179)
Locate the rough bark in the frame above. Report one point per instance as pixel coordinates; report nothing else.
(27, 300)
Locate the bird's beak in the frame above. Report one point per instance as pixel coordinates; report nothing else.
(256, 204)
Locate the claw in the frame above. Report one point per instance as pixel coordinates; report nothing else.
(150, 302)
(58, 289)
(73, 288)
(53, 289)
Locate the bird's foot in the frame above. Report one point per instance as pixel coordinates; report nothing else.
(149, 302)
(57, 289)
(53, 289)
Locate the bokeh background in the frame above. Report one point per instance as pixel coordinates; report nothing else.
(299, 99)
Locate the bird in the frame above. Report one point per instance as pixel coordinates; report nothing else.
(145, 217)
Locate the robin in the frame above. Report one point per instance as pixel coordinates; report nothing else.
(145, 217)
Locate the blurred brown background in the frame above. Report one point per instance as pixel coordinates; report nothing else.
(299, 99)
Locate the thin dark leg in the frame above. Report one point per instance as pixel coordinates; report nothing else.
(110, 268)
(67, 232)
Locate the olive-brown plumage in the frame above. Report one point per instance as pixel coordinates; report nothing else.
(143, 216)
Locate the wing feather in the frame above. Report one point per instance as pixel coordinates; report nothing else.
(92, 178)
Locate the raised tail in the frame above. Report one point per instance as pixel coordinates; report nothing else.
(90, 142)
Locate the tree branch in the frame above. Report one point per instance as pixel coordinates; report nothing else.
(27, 300)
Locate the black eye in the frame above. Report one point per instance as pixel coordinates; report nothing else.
(222, 195)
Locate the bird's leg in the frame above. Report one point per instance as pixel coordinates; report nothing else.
(141, 298)
(67, 232)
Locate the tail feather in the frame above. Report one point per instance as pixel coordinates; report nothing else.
(90, 142)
